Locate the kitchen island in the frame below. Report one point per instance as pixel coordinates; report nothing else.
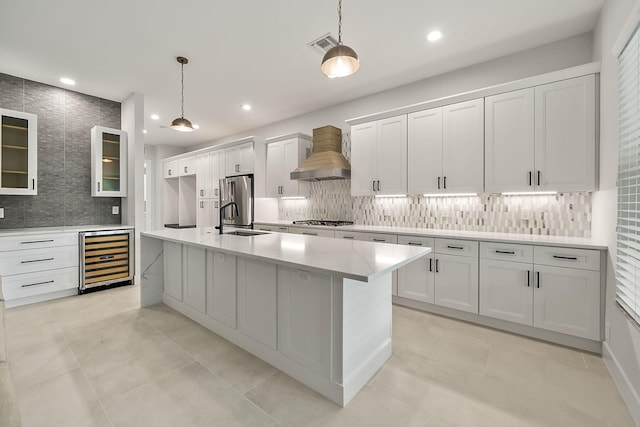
(318, 309)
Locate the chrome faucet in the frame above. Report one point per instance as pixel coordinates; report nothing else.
(222, 208)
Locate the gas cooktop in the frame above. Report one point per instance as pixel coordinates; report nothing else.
(322, 222)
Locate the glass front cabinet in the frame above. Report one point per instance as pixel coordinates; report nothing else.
(108, 162)
(19, 153)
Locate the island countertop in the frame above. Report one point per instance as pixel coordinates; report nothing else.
(363, 261)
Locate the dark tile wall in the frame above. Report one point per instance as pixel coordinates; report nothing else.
(65, 119)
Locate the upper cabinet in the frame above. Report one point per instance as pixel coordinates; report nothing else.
(379, 157)
(284, 154)
(542, 138)
(108, 162)
(445, 149)
(18, 154)
(170, 169)
(239, 159)
(187, 166)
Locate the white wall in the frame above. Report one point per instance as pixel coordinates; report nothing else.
(622, 346)
(555, 56)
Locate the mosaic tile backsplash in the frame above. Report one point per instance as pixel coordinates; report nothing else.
(562, 214)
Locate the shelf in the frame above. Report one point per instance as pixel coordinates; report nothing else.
(15, 127)
(15, 147)
(15, 172)
(110, 141)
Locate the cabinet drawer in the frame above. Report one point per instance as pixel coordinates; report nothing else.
(585, 259)
(367, 237)
(27, 261)
(187, 166)
(273, 228)
(506, 251)
(42, 282)
(416, 241)
(170, 169)
(322, 232)
(457, 247)
(36, 241)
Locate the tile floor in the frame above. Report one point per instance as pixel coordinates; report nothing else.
(101, 360)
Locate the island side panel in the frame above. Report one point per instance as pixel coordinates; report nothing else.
(366, 330)
(152, 267)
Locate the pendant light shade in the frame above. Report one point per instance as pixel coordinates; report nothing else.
(181, 124)
(340, 60)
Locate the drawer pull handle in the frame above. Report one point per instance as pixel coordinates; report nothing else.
(348, 237)
(36, 241)
(282, 228)
(36, 260)
(571, 258)
(309, 234)
(379, 240)
(528, 278)
(106, 257)
(505, 252)
(538, 279)
(36, 284)
(414, 243)
(430, 264)
(437, 266)
(460, 248)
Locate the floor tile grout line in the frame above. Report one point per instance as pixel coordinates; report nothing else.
(262, 380)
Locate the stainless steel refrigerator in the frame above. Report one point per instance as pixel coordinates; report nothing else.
(238, 189)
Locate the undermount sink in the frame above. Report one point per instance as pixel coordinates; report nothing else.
(245, 233)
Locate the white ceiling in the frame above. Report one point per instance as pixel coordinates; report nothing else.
(256, 51)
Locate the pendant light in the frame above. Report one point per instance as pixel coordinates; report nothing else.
(340, 60)
(181, 124)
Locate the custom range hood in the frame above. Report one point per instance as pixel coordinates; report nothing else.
(326, 160)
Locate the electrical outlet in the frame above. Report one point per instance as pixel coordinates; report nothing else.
(115, 210)
(1, 213)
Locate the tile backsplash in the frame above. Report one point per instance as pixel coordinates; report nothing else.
(562, 214)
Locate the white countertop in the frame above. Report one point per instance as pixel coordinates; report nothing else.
(364, 261)
(67, 229)
(531, 239)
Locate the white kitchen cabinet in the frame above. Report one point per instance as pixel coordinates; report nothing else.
(379, 157)
(509, 141)
(565, 135)
(194, 278)
(221, 287)
(567, 300)
(170, 169)
(108, 162)
(506, 290)
(436, 140)
(312, 231)
(366, 237)
(456, 284)
(207, 214)
(218, 164)
(204, 180)
(304, 318)
(18, 153)
(416, 280)
(272, 228)
(172, 259)
(239, 159)
(284, 154)
(187, 166)
(257, 300)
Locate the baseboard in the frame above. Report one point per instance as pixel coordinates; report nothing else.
(628, 393)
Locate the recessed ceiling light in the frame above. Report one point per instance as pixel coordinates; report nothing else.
(195, 126)
(67, 81)
(246, 107)
(434, 36)
(154, 117)
(144, 131)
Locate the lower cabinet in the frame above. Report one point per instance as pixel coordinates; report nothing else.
(506, 290)
(304, 318)
(456, 284)
(207, 214)
(416, 281)
(194, 278)
(221, 287)
(172, 257)
(257, 300)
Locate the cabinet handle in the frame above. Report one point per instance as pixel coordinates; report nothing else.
(538, 279)
(437, 266)
(39, 283)
(530, 178)
(237, 167)
(379, 240)
(215, 204)
(36, 260)
(98, 186)
(538, 177)
(282, 228)
(570, 258)
(414, 243)
(215, 192)
(169, 172)
(201, 193)
(36, 241)
(309, 234)
(505, 252)
(460, 248)
(202, 205)
(445, 182)
(185, 169)
(348, 237)
(33, 184)
(438, 183)
(373, 185)
(528, 278)
(430, 264)
(378, 185)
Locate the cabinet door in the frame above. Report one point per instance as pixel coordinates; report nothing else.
(203, 175)
(246, 158)
(509, 142)
(424, 148)
(275, 166)
(232, 161)
(565, 135)
(363, 158)
(205, 213)
(239, 159)
(304, 318)
(506, 290)
(18, 153)
(416, 281)
(463, 147)
(567, 300)
(217, 163)
(187, 166)
(108, 162)
(221, 287)
(295, 151)
(170, 169)
(457, 282)
(194, 278)
(172, 258)
(391, 156)
(257, 301)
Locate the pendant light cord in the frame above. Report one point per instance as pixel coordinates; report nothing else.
(340, 22)
(182, 90)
